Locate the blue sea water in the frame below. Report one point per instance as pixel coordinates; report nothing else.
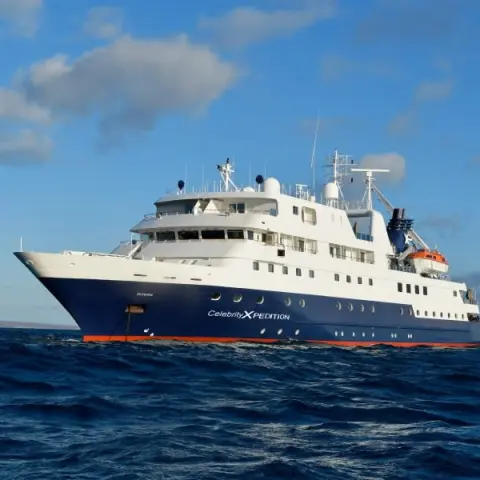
(70, 410)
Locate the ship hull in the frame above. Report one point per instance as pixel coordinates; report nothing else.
(108, 310)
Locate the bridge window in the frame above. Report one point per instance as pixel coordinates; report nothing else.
(213, 234)
(188, 235)
(237, 208)
(165, 236)
(235, 234)
(455, 293)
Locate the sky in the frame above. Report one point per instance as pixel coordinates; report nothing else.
(104, 106)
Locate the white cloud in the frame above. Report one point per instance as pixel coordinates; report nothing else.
(437, 90)
(14, 106)
(104, 22)
(130, 83)
(334, 66)
(404, 123)
(25, 148)
(23, 14)
(244, 26)
(391, 161)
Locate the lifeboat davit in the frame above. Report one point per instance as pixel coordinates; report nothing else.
(429, 262)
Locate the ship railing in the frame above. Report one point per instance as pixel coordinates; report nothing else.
(402, 268)
(151, 216)
(346, 257)
(92, 254)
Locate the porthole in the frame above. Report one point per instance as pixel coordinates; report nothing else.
(353, 334)
(341, 334)
(426, 313)
(363, 334)
(372, 308)
(362, 308)
(237, 298)
(339, 306)
(373, 335)
(336, 334)
(297, 332)
(262, 331)
(260, 300)
(410, 312)
(301, 302)
(350, 306)
(279, 332)
(216, 296)
(288, 302)
(418, 312)
(401, 311)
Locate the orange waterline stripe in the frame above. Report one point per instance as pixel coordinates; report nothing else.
(133, 338)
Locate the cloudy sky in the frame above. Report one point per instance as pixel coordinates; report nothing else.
(104, 106)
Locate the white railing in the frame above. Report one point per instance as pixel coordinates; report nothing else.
(224, 213)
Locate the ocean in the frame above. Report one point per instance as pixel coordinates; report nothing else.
(71, 410)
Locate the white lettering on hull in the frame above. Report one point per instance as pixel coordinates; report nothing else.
(249, 314)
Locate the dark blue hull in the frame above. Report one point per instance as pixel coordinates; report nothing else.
(187, 312)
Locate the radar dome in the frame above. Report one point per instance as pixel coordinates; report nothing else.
(271, 186)
(248, 189)
(330, 191)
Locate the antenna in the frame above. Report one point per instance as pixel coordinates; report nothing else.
(369, 182)
(314, 148)
(226, 171)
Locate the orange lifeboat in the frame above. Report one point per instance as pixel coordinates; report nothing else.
(429, 261)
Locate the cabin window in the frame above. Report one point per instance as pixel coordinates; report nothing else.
(235, 234)
(455, 293)
(285, 270)
(425, 291)
(250, 234)
(165, 236)
(299, 272)
(337, 277)
(417, 290)
(281, 252)
(237, 208)
(256, 266)
(370, 282)
(295, 210)
(400, 287)
(270, 267)
(359, 280)
(213, 234)
(312, 274)
(409, 288)
(362, 257)
(349, 278)
(188, 235)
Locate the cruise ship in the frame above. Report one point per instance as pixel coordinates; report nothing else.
(267, 263)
